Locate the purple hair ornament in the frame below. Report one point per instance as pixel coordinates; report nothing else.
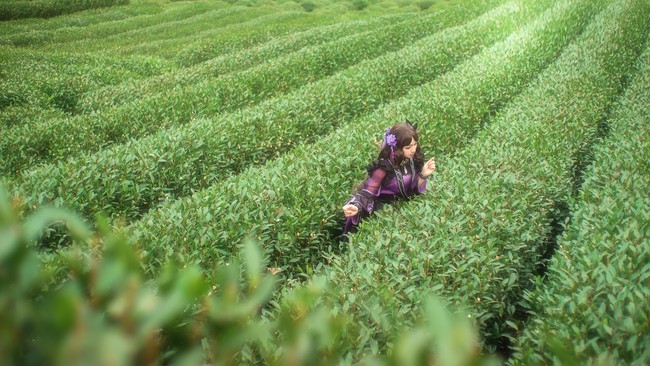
(390, 140)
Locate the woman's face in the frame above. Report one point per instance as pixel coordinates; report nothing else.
(409, 151)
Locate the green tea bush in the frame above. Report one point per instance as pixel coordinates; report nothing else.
(208, 151)
(226, 24)
(91, 304)
(14, 115)
(359, 4)
(238, 34)
(58, 80)
(61, 138)
(255, 32)
(246, 58)
(48, 8)
(308, 6)
(292, 205)
(424, 5)
(195, 48)
(478, 238)
(195, 19)
(81, 20)
(24, 80)
(592, 306)
(106, 23)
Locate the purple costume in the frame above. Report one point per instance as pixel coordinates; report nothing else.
(385, 184)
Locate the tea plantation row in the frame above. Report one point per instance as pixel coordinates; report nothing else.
(293, 205)
(478, 239)
(50, 8)
(536, 111)
(56, 139)
(180, 317)
(593, 305)
(203, 153)
(87, 85)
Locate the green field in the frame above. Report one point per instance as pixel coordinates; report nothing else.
(210, 145)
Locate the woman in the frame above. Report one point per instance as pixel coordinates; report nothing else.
(399, 172)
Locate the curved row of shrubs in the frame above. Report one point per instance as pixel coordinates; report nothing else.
(97, 25)
(235, 30)
(10, 10)
(56, 140)
(292, 205)
(233, 61)
(199, 38)
(83, 84)
(264, 29)
(86, 84)
(102, 309)
(59, 80)
(593, 305)
(125, 32)
(68, 88)
(478, 237)
(129, 179)
(80, 20)
(14, 115)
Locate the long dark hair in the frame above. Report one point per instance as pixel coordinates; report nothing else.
(404, 133)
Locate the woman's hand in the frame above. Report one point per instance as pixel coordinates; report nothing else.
(350, 210)
(429, 167)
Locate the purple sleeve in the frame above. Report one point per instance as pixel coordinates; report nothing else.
(422, 187)
(366, 197)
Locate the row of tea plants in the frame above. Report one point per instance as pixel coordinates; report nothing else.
(54, 140)
(129, 179)
(292, 205)
(592, 306)
(479, 237)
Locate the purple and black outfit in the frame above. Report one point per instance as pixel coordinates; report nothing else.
(385, 184)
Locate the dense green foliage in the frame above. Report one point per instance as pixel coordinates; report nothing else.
(297, 227)
(183, 132)
(235, 60)
(101, 309)
(592, 306)
(16, 9)
(491, 210)
(210, 96)
(203, 152)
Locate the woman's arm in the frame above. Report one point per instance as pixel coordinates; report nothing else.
(365, 198)
(422, 184)
(428, 168)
